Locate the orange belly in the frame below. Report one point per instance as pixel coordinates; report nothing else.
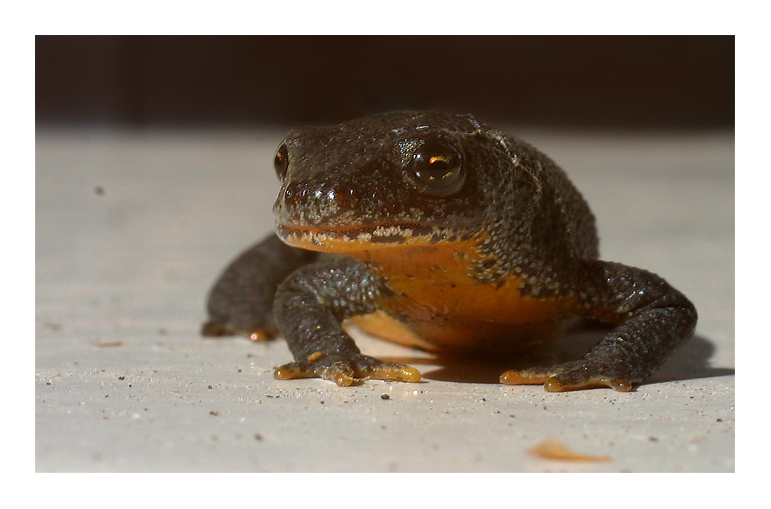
(437, 304)
(486, 337)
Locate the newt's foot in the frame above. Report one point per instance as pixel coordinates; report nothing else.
(571, 376)
(212, 330)
(346, 370)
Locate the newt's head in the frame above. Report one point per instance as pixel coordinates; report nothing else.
(396, 178)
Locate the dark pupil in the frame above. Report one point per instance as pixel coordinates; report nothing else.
(436, 168)
(281, 161)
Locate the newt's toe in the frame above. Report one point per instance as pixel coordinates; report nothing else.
(554, 384)
(513, 377)
(339, 373)
(561, 380)
(396, 372)
(346, 371)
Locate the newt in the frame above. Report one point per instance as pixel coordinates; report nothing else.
(438, 231)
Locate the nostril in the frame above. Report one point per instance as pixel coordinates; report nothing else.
(294, 191)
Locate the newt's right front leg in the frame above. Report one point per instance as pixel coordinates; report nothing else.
(309, 308)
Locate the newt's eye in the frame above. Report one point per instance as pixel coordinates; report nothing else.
(281, 161)
(436, 168)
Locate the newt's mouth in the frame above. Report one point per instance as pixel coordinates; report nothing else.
(351, 239)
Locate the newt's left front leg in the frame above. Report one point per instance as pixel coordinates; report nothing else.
(309, 308)
(652, 320)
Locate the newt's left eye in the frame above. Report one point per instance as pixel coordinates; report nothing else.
(436, 168)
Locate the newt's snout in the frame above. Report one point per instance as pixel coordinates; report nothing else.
(316, 202)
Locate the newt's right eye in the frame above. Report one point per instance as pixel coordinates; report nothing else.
(281, 161)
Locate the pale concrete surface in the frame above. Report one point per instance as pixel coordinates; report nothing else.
(133, 227)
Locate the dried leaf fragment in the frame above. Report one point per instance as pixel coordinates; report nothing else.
(556, 450)
(107, 344)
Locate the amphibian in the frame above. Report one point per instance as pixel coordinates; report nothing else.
(438, 231)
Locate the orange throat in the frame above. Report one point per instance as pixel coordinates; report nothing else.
(436, 300)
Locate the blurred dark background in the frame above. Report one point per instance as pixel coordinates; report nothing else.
(578, 81)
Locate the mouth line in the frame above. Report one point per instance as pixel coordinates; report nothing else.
(383, 234)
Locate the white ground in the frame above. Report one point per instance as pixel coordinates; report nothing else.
(133, 227)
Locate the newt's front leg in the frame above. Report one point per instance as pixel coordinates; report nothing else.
(309, 308)
(652, 320)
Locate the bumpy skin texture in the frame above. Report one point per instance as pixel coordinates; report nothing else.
(443, 233)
